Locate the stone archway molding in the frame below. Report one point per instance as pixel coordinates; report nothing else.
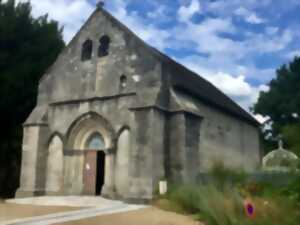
(78, 134)
(87, 124)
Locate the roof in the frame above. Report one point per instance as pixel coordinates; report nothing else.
(187, 80)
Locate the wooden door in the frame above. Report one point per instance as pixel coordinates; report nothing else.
(89, 172)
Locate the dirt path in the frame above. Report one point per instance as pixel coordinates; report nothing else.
(15, 211)
(148, 216)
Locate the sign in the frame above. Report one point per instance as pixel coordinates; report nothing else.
(249, 208)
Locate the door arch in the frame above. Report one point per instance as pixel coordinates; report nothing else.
(54, 177)
(86, 137)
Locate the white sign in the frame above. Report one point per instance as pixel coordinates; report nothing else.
(163, 187)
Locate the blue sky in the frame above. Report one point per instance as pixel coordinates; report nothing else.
(235, 44)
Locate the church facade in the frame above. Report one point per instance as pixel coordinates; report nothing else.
(114, 116)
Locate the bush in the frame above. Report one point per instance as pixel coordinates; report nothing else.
(208, 203)
(292, 191)
(222, 177)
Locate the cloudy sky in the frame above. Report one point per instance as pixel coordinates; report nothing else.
(235, 44)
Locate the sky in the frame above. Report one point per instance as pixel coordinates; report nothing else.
(235, 44)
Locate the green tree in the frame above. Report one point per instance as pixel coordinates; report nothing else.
(28, 46)
(291, 133)
(282, 104)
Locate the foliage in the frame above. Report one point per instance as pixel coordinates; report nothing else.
(28, 47)
(292, 190)
(223, 177)
(281, 103)
(291, 134)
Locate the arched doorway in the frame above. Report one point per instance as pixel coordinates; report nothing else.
(90, 153)
(94, 171)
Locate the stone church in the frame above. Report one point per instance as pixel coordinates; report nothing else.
(114, 116)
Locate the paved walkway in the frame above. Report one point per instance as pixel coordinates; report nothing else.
(72, 201)
(98, 206)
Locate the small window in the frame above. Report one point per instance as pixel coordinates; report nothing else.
(87, 49)
(104, 46)
(123, 82)
(95, 142)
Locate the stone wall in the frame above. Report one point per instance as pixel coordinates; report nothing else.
(222, 136)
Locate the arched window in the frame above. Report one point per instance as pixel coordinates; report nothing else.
(95, 142)
(87, 49)
(104, 46)
(123, 82)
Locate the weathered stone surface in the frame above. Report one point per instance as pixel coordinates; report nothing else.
(153, 124)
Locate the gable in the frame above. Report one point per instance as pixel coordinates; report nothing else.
(103, 72)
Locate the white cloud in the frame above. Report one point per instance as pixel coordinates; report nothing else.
(249, 16)
(146, 31)
(264, 44)
(160, 13)
(186, 12)
(234, 86)
(253, 18)
(292, 54)
(204, 37)
(271, 30)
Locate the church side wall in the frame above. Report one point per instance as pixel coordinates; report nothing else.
(225, 138)
(184, 141)
(222, 137)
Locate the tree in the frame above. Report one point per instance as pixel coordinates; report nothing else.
(28, 46)
(282, 105)
(291, 133)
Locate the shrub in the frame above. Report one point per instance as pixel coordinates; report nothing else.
(186, 196)
(292, 190)
(223, 177)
